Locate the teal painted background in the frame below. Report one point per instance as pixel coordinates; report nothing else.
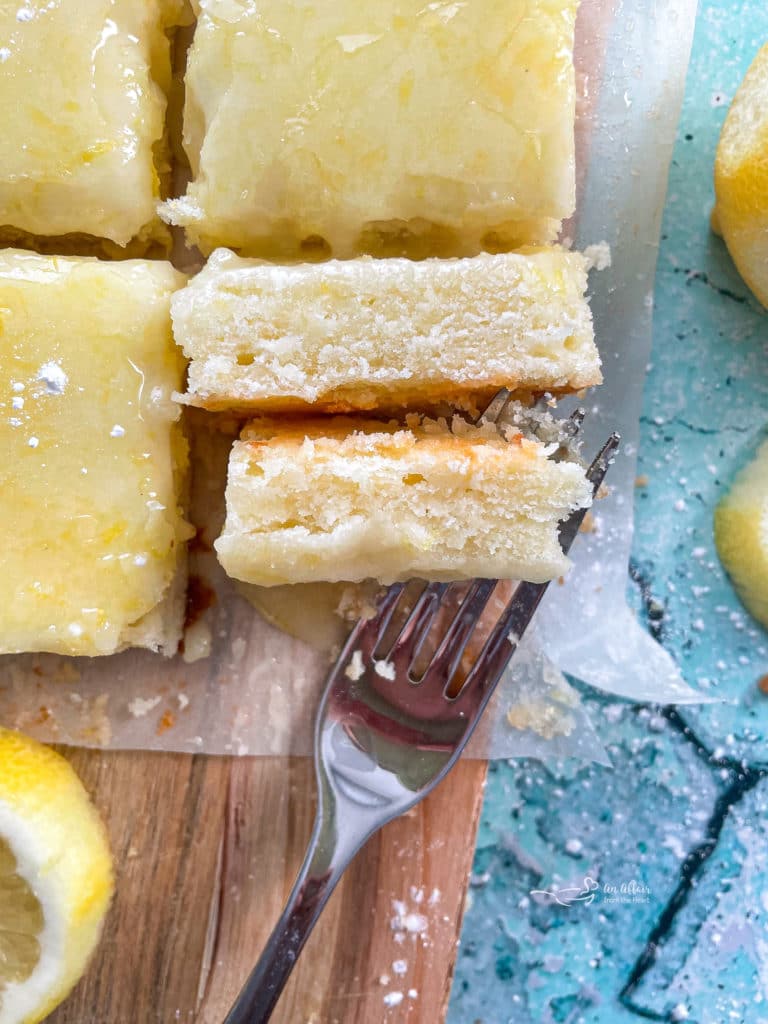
(674, 925)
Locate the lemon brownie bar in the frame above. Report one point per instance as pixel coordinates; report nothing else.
(82, 89)
(91, 532)
(382, 126)
(348, 499)
(367, 333)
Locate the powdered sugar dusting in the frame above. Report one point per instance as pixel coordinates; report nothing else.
(406, 921)
(54, 377)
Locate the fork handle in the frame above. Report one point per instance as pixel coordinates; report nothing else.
(326, 859)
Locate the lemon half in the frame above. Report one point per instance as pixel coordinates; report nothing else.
(741, 178)
(741, 535)
(55, 879)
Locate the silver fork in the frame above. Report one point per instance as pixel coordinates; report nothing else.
(387, 731)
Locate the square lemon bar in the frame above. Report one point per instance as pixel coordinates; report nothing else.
(82, 90)
(348, 499)
(91, 530)
(366, 333)
(382, 126)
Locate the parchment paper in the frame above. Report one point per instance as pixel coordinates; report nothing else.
(256, 691)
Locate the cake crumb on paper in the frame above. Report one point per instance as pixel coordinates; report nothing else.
(141, 706)
(544, 719)
(598, 256)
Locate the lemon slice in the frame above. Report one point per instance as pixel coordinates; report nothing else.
(741, 535)
(741, 178)
(55, 879)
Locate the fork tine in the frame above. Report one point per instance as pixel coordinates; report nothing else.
(514, 620)
(445, 661)
(386, 609)
(595, 474)
(497, 405)
(573, 424)
(416, 625)
(369, 632)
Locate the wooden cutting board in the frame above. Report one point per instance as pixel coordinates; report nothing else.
(206, 850)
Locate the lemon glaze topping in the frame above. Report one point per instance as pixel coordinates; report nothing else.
(89, 524)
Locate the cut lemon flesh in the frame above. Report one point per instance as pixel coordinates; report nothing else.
(55, 879)
(21, 922)
(741, 535)
(741, 178)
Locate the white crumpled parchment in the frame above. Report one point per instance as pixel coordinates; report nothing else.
(256, 691)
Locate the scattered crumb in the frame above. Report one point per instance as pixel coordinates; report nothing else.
(141, 706)
(183, 700)
(641, 481)
(393, 999)
(385, 669)
(573, 846)
(598, 256)
(542, 718)
(167, 722)
(358, 601)
(400, 966)
(59, 670)
(197, 641)
(384, 979)
(588, 524)
(762, 685)
(355, 668)
(97, 728)
(413, 993)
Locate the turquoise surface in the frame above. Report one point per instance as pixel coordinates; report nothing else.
(640, 892)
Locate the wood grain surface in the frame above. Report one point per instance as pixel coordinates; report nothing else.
(206, 851)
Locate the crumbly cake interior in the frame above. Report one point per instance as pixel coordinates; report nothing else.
(91, 533)
(383, 126)
(347, 499)
(368, 333)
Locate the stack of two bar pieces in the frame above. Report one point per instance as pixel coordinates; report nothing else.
(401, 484)
(438, 139)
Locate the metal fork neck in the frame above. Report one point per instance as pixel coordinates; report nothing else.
(330, 851)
